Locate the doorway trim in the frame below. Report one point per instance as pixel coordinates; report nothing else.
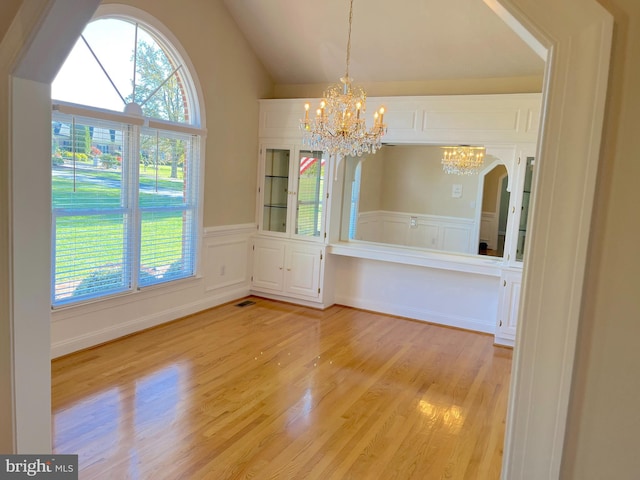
(577, 36)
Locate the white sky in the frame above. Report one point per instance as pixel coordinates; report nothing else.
(82, 81)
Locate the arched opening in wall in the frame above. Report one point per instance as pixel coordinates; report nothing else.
(495, 211)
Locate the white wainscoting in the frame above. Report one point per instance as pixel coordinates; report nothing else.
(482, 119)
(489, 229)
(447, 297)
(223, 277)
(451, 234)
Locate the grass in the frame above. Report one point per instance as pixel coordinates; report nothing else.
(85, 244)
(101, 188)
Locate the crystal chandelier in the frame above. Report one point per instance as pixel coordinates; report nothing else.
(339, 127)
(462, 159)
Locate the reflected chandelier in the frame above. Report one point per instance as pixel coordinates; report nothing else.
(339, 127)
(462, 159)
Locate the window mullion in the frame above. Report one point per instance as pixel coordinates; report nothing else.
(132, 196)
(192, 179)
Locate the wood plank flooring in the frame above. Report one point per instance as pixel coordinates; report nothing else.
(278, 391)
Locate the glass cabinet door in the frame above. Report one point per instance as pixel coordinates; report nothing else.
(276, 190)
(524, 211)
(310, 193)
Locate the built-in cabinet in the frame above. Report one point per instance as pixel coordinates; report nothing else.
(508, 303)
(288, 268)
(298, 246)
(289, 250)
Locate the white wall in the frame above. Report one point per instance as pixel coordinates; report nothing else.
(31, 265)
(454, 298)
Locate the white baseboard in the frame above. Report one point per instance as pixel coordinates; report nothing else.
(294, 300)
(466, 323)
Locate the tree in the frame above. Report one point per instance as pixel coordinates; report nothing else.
(160, 94)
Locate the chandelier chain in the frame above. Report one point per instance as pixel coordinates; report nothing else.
(339, 128)
(346, 75)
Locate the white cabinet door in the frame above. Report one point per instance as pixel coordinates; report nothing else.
(268, 265)
(302, 276)
(287, 268)
(510, 286)
(292, 192)
(275, 190)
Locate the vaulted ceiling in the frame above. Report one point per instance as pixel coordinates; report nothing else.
(304, 41)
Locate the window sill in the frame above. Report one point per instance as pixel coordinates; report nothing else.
(127, 297)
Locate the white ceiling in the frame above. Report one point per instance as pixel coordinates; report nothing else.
(304, 41)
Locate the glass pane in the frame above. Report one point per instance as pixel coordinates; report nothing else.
(89, 209)
(99, 72)
(162, 169)
(311, 184)
(275, 190)
(86, 164)
(89, 256)
(159, 87)
(167, 214)
(524, 212)
(166, 246)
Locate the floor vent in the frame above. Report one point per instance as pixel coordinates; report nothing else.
(246, 303)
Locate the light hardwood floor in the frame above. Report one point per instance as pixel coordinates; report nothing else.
(281, 391)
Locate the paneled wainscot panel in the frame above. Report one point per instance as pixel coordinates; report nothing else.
(226, 261)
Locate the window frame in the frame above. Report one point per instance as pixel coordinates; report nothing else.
(138, 124)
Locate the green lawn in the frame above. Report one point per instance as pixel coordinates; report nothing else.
(101, 244)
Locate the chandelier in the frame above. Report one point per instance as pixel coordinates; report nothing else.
(462, 159)
(339, 127)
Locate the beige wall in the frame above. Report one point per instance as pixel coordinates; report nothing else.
(491, 187)
(602, 434)
(6, 437)
(466, 86)
(409, 179)
(8, 11)
(232, 79)
(371, 182)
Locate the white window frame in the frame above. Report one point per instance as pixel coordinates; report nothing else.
(195, 128)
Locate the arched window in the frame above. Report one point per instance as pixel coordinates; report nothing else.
(125, 163)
